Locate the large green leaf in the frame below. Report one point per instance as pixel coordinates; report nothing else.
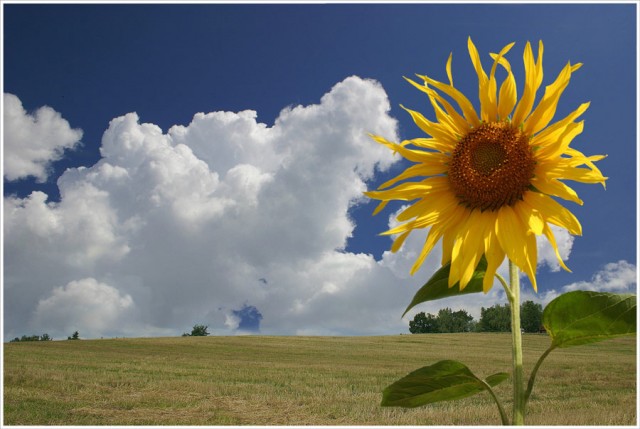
(583, 317)
(443, 381)
(438, 285)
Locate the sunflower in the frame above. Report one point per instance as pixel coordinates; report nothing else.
(489, 181)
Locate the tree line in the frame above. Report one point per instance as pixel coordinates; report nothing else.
(43, 337)
(197, 331)
(493, 319)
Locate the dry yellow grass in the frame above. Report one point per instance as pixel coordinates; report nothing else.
(301, 381)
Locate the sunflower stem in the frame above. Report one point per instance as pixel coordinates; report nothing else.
(516, 335)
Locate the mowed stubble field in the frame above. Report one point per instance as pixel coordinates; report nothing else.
(261, 380)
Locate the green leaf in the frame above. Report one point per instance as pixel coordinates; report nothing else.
(438, 285)
(495, 379)
(446, 380)
(583, 317)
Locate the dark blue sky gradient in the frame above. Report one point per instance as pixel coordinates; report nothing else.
(93, 63)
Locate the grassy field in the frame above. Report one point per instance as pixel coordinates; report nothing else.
(301, 381)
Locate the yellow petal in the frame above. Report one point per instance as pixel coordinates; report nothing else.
(436, 201)
(424, 221)
(452, 219)
(486, 105)
(431, 214)
(451, 118)
(433, 129)
(557, 148)
(476, 226)
(475, 59)
(556, 188)
(449, 218)
(531, 252)
(380, 207)
(468, 246)
(508, 92)
(530, 217)
(397, 243)
(403, 194)
(578, 158)
(465, 105)
(418, 170)
(495, 255)
(432, 238)
(552, 240)
(421, 156)
(447, 246)
(553, 212)
(533, 80)
(519, 246)
(458, 122)
(545, 110)
(497, 58)
(410, 190)
(492, 106)
(434, 144)
(553, 132)
(456, 255)
(583, 175)
(563, 168)
(508, 97)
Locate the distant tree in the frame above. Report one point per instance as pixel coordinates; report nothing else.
(197, 331)
(531, 316)
(75, 336)
(423, 324)
(495, 319)
(454, 321)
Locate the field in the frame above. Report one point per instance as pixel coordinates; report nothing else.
(259, 380)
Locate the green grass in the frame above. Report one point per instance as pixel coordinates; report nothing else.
(301, 381)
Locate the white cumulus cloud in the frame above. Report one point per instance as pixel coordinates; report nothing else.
(89, 306)
(186, 222)
(616, 277)
(33, 141)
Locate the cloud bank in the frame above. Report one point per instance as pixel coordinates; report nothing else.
(225, 222)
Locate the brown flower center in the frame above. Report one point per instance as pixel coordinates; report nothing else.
(492, 166)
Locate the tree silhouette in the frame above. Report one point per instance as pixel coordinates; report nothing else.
(495, 319)
(531, 316)
(423, 324)
(197, 331)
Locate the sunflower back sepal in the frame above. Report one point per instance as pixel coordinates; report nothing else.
(437, 286)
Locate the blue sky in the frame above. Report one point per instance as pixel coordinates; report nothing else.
(93, 64)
